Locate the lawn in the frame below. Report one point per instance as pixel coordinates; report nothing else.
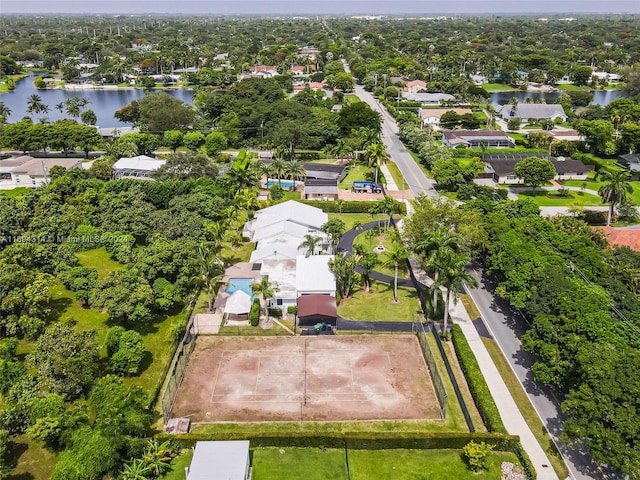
(16, 192)
(569, 86)
(525, 407)
(592, 184)
(34, 462)
(370, 242)
(397, 176)
(241, 253)
(299, 463)
(357, 173)
(498, 87)
(248, 331)
(378, 304)
(178, 465)
(99, 259)
(549, 199)
(350, 219)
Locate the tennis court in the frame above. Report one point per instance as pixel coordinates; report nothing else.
(360, 377)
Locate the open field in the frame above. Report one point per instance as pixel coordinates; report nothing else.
(551, 199)
(378, 304)
(306, 378)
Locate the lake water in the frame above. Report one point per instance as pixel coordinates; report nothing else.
(600, 97)
(103, 102)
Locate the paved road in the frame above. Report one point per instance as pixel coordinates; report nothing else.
(501, 322)
(506, 326)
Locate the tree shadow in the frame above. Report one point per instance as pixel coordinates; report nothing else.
(58, 307)
(145, 363)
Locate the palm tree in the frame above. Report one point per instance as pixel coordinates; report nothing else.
(279, 168)
(376, 156)
(396, 255)
(452, 275)
(242, 178)
(310, 243)
(294, 169)
(266, 290)
(431, 249)
(35, 105)
(4, 113)
(367, 263)
(614, 192)
(210, 272)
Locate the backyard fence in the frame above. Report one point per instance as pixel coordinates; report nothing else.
(436, 376)
(177, 369)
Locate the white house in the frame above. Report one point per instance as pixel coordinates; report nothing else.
(313, 276)
(220, 460)
(431, 116)
(533, 111)
(34, 172)
(295, 213)
(139, 167)
(428, 98)
(605, 77)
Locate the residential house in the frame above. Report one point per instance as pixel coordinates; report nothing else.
(109, 133)
(282, 275)
(631, 161)
(320, 189)
(477, 139)
(414, 86)
(568, 135)
(325, 171)
(7, 165)
(605, 77)
(501, 168)
(34, 172)
(528, 112)
(220, 460)
(428, 98)
(479, 79)
(290, 212)
(430, 117)
(313, 276)
(139, 167)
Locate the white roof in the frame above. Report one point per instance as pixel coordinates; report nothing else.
(238, 303)
(220, 461)
(141, 162)
(313, 274)
(282, 274)
(292, 211)
(282, 227)
(274, 250)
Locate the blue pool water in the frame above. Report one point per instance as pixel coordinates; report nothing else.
(243, 284)
(287, 184)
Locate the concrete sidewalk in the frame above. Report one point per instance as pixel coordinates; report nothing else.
(391, 184)
(511, 417)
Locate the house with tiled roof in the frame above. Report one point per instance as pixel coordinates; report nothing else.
(431, 116)
(414, 86)
(528, 112)
(477, 139)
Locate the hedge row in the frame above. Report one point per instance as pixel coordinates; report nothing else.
(254, 315)
(359, 441)
(349, 207)
(525, 461)
(477, 384)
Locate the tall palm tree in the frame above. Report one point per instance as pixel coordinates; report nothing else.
(4, 112)
(376, 156)
(210, 272)
(294, 170)
(614, 192)
(34, 104)
(310, 243)
(452, 275)
(395, 256)
(367, 263)
(242, 178)
(266, 290)
(431, 249)
(279, 167)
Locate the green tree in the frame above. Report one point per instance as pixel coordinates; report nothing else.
(615, 190)
(394, 257)
(356, 115)
(535, 171)
(334, 228)
(126, 359)
(367, 262)
(598, 135)
(452, 275)
(214, 143)
(311, 243)
(265, 289)
(180, 166)
(376, 156)
(343, 269)
(476, 454)
(89, 117)
(35, 104)
(172, 139)
(514, 123)
(294, 170)
(210, 272)
(159, 112)
(125, 295)
(193, 140)
(66, 361)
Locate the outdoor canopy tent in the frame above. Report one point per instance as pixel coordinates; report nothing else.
(238, 303)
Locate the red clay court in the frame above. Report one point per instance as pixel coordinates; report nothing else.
(323, 378)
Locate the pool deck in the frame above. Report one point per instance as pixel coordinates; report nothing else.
(239, 270)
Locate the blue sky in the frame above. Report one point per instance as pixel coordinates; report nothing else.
(324, 7)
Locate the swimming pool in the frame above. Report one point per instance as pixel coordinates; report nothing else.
(243, 284)
(286, 184)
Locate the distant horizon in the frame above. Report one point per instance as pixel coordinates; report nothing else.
(318, 7)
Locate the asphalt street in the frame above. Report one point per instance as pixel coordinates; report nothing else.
(501, 323)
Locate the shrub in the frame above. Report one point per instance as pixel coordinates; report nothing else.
(113, 339)
(477, 384)
(276, 192)
(350, 207)
(275, 312)
(292, 309)
(126, 360)
(476, 454)
(254, 315)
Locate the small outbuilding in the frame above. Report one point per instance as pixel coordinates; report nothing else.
(227, 460)
(314, 309)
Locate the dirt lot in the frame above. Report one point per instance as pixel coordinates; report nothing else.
(248, 379)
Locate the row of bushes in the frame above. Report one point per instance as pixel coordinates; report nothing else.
(477, 384)
(349, 207)
(599, 163)
(254, 314)
(359, 440)
(525, 461)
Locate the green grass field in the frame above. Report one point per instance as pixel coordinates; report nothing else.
(592, 184)
(15, 192)
(378, 304)
(295, 463)
(34, 461)
(350, 219)
(397, 176)
(356, 173)
(498, 87)
(549, 199)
